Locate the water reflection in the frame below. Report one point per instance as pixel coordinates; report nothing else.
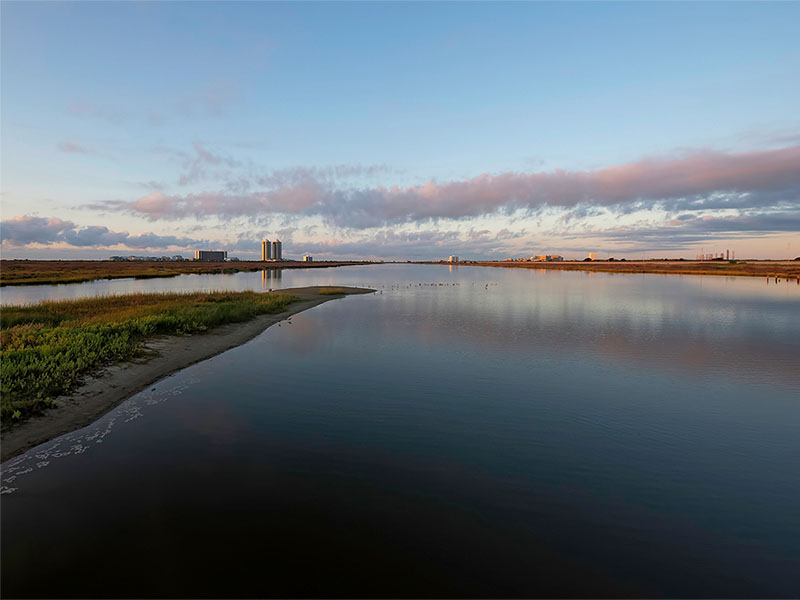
(86, 439)
(270, 277)
(395, 276)
(468, 432)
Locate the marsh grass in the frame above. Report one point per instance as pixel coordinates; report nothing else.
(39, 272)
(47, 348)
(331, 291)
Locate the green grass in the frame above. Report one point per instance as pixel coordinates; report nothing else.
(47, 348)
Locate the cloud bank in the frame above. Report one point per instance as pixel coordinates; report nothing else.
(696, 181)
(24, 231)
(654, 204)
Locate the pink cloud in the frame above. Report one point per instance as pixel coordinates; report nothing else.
(699, 180)
(73, 148)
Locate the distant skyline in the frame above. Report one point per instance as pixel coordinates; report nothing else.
(400, 130)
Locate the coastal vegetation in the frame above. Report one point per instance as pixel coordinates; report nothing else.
(47, 348)
(739, 268)
(331, 291)
(37, 272)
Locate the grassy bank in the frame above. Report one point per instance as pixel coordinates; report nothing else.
(41, 272)
(738, 268)
(47, 348)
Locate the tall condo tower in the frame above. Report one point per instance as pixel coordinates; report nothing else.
(277, 251)
(266, 250)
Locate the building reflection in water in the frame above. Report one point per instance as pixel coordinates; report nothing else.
(268, 276)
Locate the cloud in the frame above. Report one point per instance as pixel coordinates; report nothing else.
(687, 229)
(414, 244)
(196, 167)
(151, 185)
(91, 110)
(73, 148)
(214, 99)
(695, 181)
(21, 231)
(324, 175)
(26, 230)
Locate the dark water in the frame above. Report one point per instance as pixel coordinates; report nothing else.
(534, 434)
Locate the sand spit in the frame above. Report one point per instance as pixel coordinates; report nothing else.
(114, 384)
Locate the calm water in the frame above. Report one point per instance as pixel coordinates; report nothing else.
(259, 281)
(507, 433)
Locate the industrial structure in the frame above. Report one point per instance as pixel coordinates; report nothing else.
(727, 255)
(271, 250)
(210, 255)
(453, 258)
(308, 258)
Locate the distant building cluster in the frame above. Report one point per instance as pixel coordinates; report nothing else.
(453, 258)
(177, 257)
(210, 255)
(727, 255)
(271, 250)
(538, 258)
(308, 258)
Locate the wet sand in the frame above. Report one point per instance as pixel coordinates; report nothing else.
(162, 356)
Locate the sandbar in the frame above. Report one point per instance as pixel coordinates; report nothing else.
(105, 389)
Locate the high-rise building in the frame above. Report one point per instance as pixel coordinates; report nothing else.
(277, 251)
(307, 258)
(266, 250)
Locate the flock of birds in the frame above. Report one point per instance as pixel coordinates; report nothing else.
(399, 286)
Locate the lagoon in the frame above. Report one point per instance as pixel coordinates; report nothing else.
(464, 431)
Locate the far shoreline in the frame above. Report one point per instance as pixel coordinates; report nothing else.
(24, 272)
(783, 269)
(114, 384)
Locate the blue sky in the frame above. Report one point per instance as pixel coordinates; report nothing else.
(400, 130)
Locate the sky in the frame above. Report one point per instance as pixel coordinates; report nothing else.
(400, 130)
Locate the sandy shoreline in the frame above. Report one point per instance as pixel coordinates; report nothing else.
(116, 383)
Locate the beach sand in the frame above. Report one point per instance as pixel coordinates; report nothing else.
(110, 386)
